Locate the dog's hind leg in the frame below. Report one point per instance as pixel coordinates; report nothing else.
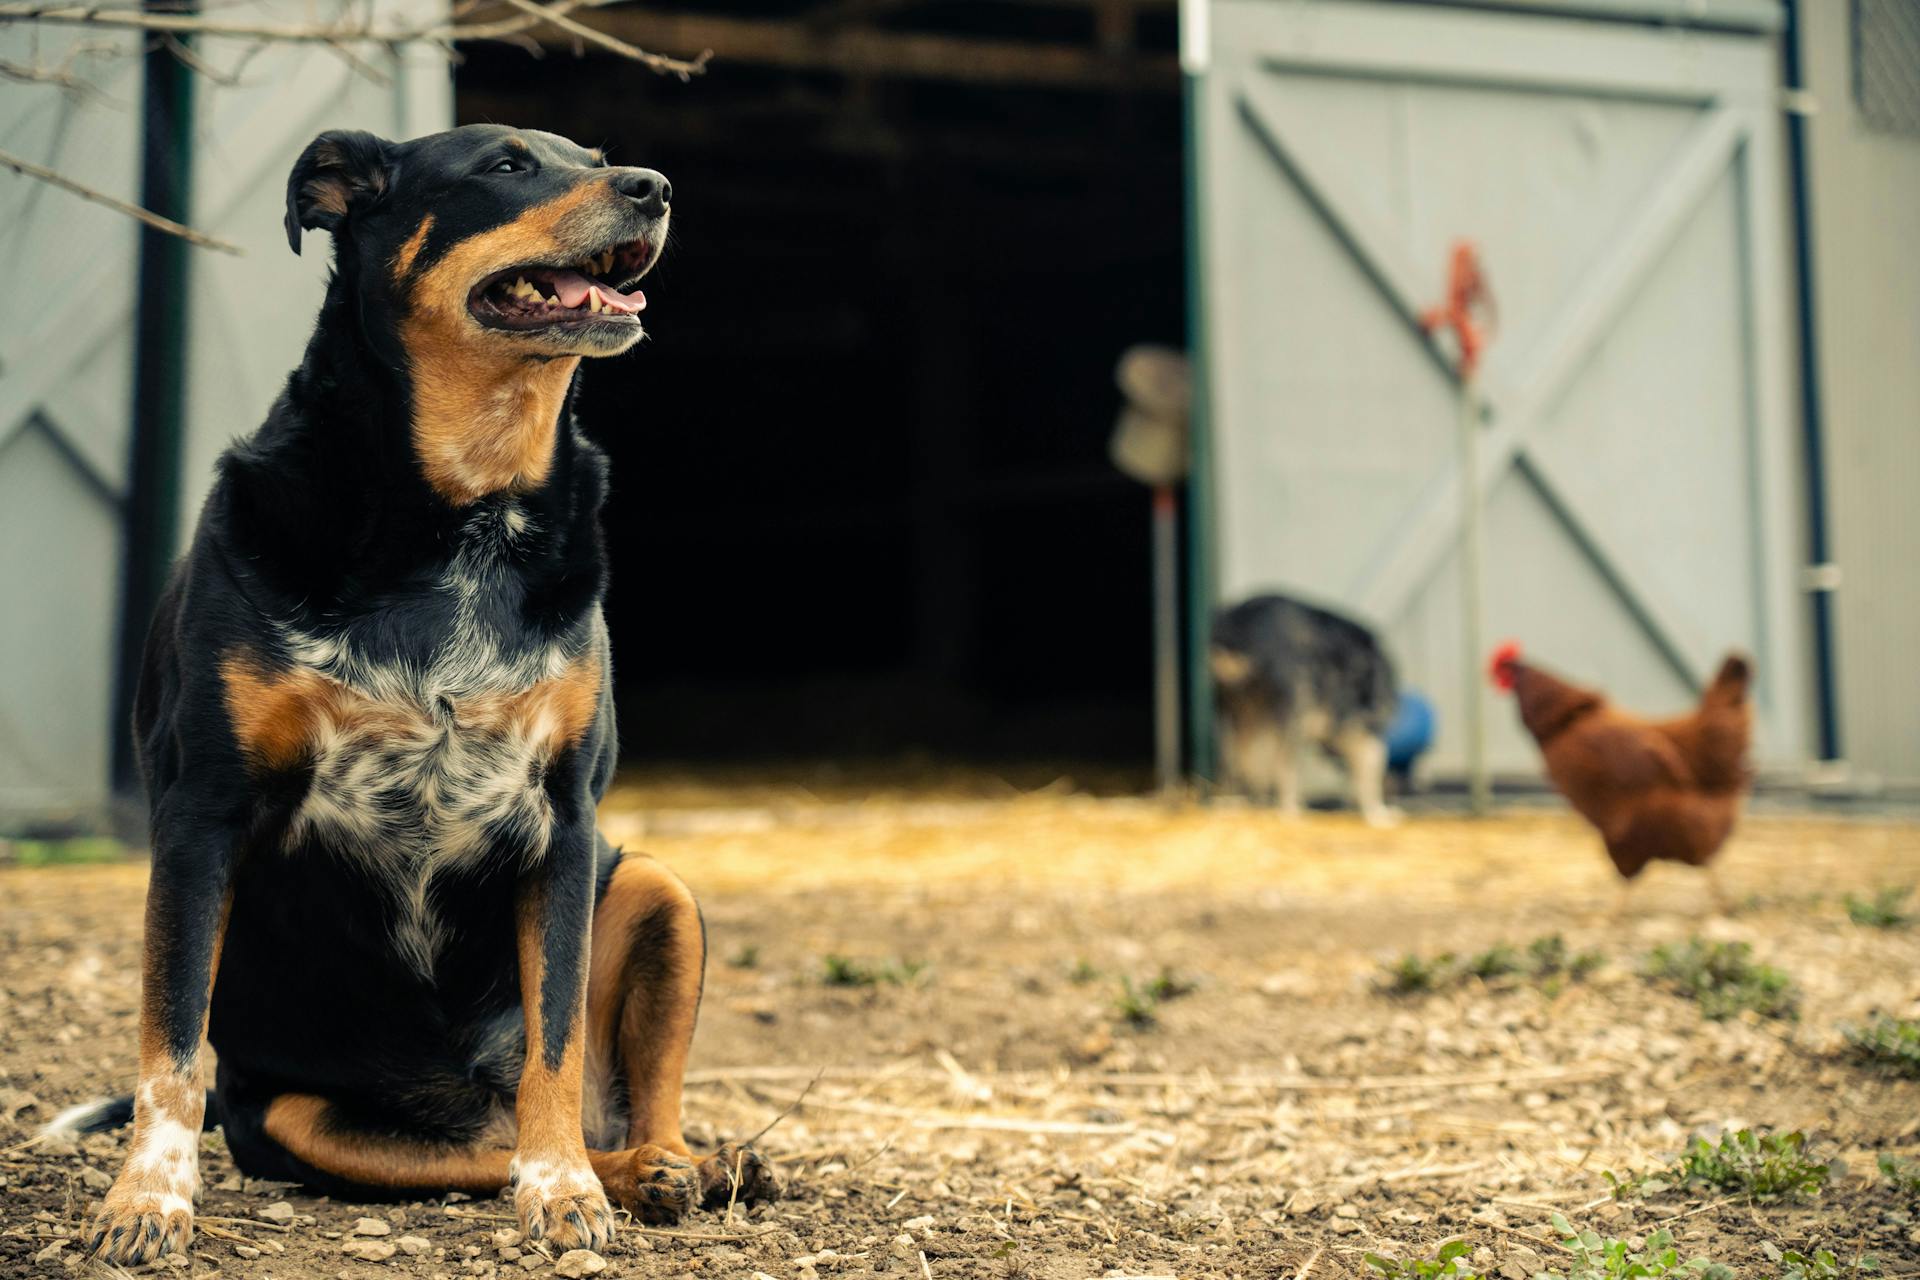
(643, 995)
(1366, 760)
(332, 1154)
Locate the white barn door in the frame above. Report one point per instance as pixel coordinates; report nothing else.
(1623, 184)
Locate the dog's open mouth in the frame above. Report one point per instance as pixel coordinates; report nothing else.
(600, 290)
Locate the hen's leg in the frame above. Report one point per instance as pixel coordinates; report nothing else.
(1623, 902)
(1722, 904)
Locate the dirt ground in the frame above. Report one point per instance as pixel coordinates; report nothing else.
(981, 1108)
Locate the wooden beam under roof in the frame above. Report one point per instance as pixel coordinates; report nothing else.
(864, 51)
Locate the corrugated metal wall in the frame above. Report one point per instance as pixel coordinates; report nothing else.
(1866, 224)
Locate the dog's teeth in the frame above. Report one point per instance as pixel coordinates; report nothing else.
(593, 303)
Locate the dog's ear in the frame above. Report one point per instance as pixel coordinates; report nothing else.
(339, 174)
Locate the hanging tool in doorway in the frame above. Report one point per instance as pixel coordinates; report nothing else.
(1150, 444)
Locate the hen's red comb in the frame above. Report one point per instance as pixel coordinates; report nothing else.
(1500, 668)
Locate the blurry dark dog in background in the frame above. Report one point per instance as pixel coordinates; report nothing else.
(1289, 675)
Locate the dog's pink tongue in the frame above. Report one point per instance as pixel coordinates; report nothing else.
(572, 289)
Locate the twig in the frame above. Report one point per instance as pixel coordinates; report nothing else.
(61, 78)
(684, 69)
(220, 1233)
(362, 32)
(871, 1156)
(994, 1124)
(1135, 1080)
(1716, 1204)
(964, 1082)
(925, 1270)
(28, 168)
(1528, 1236)
(790, 1107)
(262, 1223)
(733, 1182)
(668, 1234)
(194, 62)
(1307, 1266)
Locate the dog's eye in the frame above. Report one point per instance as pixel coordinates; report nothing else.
(506, 166)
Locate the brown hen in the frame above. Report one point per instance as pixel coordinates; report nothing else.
(1655, 789)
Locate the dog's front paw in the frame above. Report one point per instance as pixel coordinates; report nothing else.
(655, 1185)
(561, 1204)
(737, 1174)
(136, 1225)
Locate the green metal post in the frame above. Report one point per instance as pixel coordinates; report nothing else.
(152, 512)
(1195, 51)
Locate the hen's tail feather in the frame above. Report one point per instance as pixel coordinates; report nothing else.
(113, 1113)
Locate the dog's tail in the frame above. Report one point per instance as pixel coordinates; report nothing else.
(112, 1113)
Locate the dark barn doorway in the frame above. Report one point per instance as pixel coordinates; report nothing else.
(862, 504)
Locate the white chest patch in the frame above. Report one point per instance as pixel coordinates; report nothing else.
(418, 768)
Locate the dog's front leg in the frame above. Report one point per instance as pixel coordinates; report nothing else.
(555, 1192)
(149, 1210)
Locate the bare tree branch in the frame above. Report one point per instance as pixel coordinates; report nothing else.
(340, 38)
(29, 169)
(63, 76)
(658, 62)
(194, 62)
(362, 31)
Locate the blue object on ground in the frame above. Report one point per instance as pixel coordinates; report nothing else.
(1411, 731)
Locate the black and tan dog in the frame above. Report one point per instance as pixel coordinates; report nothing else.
(375, 720)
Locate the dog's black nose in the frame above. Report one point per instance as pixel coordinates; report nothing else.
(650, 190)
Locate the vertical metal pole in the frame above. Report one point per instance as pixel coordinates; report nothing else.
(1472, 596)
(1196, 48)
(1814, 455)
(152, 511)
(1166, 638)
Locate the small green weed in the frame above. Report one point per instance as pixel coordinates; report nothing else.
(1082, 972)
(1548, 956)
(1138, 1004)
(1892, 1044)
(1168, 985)
(1820, 1265)
(1444, 1265)
(842, 971)
(1902, 1175)
(1545, 961)
(1410, 975)
(1722, 978)
(1495, 962)
(746, 957)
(1135, 1005)
(1886, 909)
(1771, 1166)
(68, 852)
(1595, 1258)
